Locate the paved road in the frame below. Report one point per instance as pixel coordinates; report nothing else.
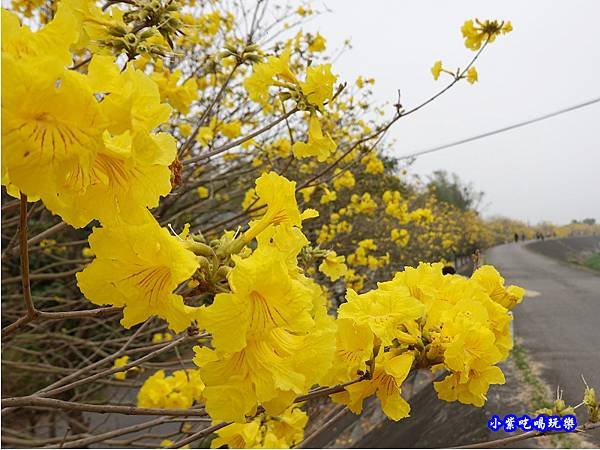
(561, 327)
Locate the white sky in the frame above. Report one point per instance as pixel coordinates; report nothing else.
(546, 171)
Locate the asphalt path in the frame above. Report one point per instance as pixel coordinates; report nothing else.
(559, 322)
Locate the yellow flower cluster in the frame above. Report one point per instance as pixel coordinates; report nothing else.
(360, 204)
(84, 144)
(425, 319)
(472, 76)
(179, 95)
(372, 164)
(157, 338)
(283, 335)
(138, 267)
(317, 43)
(206, 134)
(180, 390)
(203, 192)
(329, 231)
(400, 237)
(421, 214)
(282, 431)
(120, 362)
(477, 32)
(396, 206)
(319, 145)
(311, 95)
(276, 71)
(333, 266)
(436, 70)
(328, 196)
(361, 258)
(345, 180)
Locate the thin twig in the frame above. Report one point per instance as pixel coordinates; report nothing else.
(329, 420)
(32, 401)
(31, 312)
(241, 140)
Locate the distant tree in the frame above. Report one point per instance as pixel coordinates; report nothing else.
(451, 189)
(589, 221)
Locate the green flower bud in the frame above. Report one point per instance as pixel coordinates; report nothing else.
(130, 38)
(253, 58)
(223, 271)
(117, 31)
(147, 33)
(252, 48)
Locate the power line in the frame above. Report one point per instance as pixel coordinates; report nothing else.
(502, 130)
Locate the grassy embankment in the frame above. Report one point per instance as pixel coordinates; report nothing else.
(593, 262)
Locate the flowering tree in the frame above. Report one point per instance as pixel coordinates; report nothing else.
(199, 173)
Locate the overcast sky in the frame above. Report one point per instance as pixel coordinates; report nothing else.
(545, 171)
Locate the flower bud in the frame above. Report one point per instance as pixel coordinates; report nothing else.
(147, 33)
(251, 48)
(231, 48)
(130, 38)
(589, 397)
(117, 31)
(223, 271)
(198, 248)
(253, 58)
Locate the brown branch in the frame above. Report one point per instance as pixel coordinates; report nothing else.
(328, 421)
(31, 401)
(43, 276)
(25, 277)
(9, 329)
(98, 312)
(11, 205)
(31, 312)
(199, 435)
(327, 391)
(49, 232)
(190, 140)
(82, 443)
(60, 386)
(113, 370)
(242, 139)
